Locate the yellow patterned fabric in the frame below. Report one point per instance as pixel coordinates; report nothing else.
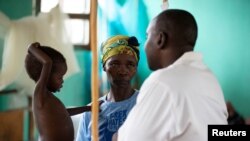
(118, 45)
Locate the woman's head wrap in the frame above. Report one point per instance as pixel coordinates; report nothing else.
(120, 44)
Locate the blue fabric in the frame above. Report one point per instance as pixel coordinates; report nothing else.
(111, 117)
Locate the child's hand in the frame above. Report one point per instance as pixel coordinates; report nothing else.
(33, 45)
(78, 110)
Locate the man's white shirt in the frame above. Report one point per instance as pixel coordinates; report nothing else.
(176, 103)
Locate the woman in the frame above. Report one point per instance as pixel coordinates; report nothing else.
(120, 56)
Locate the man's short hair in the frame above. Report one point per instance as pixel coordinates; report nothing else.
(180, 23)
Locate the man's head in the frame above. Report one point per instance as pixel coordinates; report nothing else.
(120, 56)
(59, 67)
(172, 33)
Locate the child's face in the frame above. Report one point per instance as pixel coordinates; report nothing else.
(56, 79)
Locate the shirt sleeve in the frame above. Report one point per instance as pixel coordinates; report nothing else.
(152, 117)
(83, 133)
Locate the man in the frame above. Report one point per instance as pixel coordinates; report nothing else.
(120, 56)
(181, 97)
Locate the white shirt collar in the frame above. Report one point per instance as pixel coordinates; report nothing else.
(188, 57)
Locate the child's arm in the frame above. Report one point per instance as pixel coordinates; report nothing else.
(41, 90)
(78, 110)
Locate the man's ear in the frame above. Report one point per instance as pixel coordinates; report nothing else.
(162, 40)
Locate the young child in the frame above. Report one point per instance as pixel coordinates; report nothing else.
(47, 67)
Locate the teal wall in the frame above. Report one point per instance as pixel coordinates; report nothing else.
(224, 39)
(16, 9)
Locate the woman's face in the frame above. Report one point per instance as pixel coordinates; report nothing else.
(120, 69)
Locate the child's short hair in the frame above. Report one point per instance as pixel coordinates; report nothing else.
(34, 67)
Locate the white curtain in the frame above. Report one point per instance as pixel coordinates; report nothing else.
(48, 29)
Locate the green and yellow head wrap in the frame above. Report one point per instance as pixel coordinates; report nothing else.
(120, 44)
